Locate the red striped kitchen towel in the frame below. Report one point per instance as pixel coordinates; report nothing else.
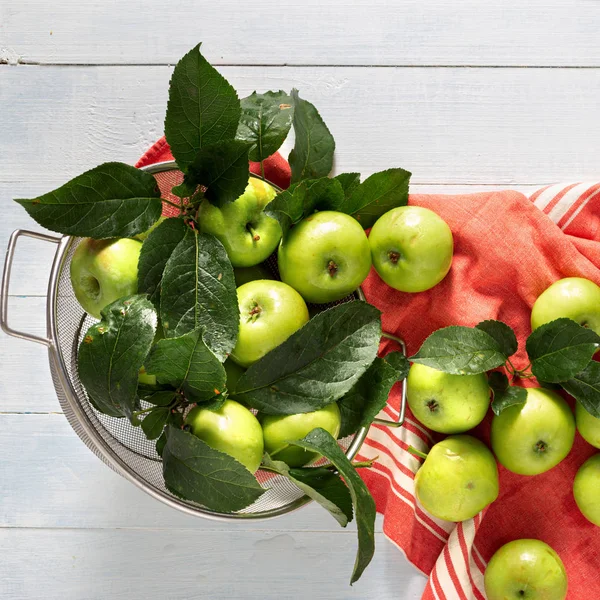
(508, 249)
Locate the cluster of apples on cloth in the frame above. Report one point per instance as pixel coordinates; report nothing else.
(231, 369)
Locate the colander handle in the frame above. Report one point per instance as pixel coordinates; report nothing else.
(6, 282)
(402, 410)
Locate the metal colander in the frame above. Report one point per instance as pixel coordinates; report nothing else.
(121, 446)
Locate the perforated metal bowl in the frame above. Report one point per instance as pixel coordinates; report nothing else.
(121, 446)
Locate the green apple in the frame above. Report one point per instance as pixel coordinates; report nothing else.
(586, 489)
(587, 425)
(248, 234)
(103, 271)
(325, 257)
(232, 429)
(531, 438)
(525, 570)
(412, 248)
(574, 297)
(270, 311)
(246, 274)
(279, 430)
(458, 479)
(142, 236)
(447, 403)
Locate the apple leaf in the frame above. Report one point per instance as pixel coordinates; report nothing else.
(195, 471)
(370, 393)
(377, 194)
(157, 397)
(175, 419)
(221, 168)
(198, 290)
(312, 156)
(154, 422)
(349, 181)
(265, 122)
(561, 349)
(111, 200)
(203, 108)
(156, 251)
(304, 198)
(460, 351)
(186, 363)
(112, 352)
(317, 364)
(505, 395)
(585, 387)
(319, 440)
(502, 333)
(321, 485)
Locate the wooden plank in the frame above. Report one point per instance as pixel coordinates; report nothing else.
(182, 565)
(341, 32)
(447, 126)
(51, 479)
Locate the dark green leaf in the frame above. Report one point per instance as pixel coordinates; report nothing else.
(265, 122)
(312, 156)
(502, 333)
(319, 440)
(585, 387)
(370, 393)
(349, 181)
(303, 199)
(156, 250)
(223, 169)
(377, 194)
(160, 443)
(112, 200)
(460, 351)
(154, 422)
(321, 485)
(505, 395)
(316, 365)
(112, 352)
(198, 290)
(195, 471)
(185, 362)
(203, 108)
(186, 189)
(158, 398)
(560, 349)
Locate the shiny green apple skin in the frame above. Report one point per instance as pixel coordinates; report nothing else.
(587, 425)
(447, 403)
(574, 298)
(270, 311)
(232, 429)
(458, 479)
(531, 438)
(247, 233)
(278, 430)
(525, 570)
(142, 236)
(412, 248)
(246, 274)
(103, 271)
(325, 257)
(586, 489)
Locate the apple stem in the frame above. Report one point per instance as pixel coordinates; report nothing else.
(177, 206)
(252, 231)
(416, 452)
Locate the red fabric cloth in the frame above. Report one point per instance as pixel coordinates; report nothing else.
(508, 249)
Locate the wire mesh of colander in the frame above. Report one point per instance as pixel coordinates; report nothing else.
(119, 444)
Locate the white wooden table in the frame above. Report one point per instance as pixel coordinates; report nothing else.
(467, 95)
